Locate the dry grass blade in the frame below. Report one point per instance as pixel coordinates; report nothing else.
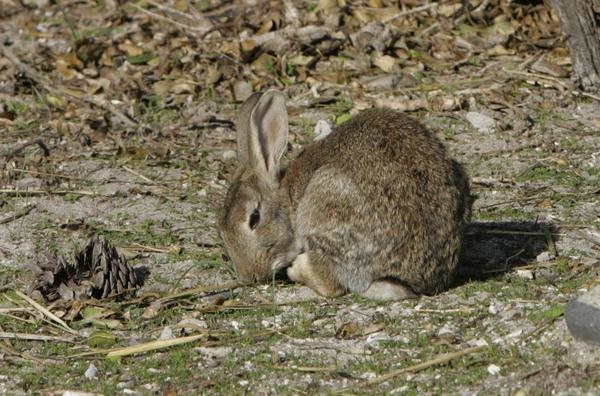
(411, 11)
(187, 28)
(8, 310)
(47, 313)
(139, 175)
(34, 337)
(308, 369)
(151, 346)
(14, 192)
(16, 150)
(203, 289)
(440, 359)
(19, 214)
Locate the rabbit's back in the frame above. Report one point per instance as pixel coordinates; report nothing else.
(381, 197)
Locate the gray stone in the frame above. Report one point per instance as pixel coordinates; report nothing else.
(379, 82)
(241, 90)
(583, 317)
(481, 122)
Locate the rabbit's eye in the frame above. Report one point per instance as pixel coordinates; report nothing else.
(254, 219)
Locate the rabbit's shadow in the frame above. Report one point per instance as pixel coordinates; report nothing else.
(493, 248)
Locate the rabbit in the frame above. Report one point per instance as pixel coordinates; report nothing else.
(375, 208)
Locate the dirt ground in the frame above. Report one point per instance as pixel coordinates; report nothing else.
(117, 118)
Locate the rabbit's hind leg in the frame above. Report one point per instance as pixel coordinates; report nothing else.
(315, 271)
(388, 290)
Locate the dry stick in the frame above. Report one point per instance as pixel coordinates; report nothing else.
(550, 242)
(152, 345)
(168, 9)
(16, 150)
(411, 11)
(33, 337)
(143, 248)
(508, 232)
(18, 318)
(13, 192)
(556, 80)
(308, 369)
(139, 175)
(32, 172)
(19, 309)
(19, 214)
(68, 177)
(539, 76)
(46, 312)
(203, 289)
(34, 75)
(166, 19)
(440, 359)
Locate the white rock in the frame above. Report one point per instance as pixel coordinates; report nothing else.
(322, 129)
(494, 308)
(166, 334)
(241, 90)
(91, 373)
(215, 352)
(191, 323)
(481, 122)
(493, 369)
(526, 274)
(228, 155)
(544, 257)
(479, 342)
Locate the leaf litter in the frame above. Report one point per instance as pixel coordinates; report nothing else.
(118, 119)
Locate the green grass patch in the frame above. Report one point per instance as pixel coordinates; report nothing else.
(504, 213)
(544, 173)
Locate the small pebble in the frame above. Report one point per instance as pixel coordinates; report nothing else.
(322, 129)
(583, 317)
(242, 90)
(526, 274)
(481, 122)
(91, 373)
(544, 257)
(166, 334)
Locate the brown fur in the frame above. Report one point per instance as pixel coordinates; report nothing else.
(378, 200)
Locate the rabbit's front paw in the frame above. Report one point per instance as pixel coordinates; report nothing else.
(315, 272)
(300, 269)
(388, 290)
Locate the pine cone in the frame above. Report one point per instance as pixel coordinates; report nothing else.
(98, 271)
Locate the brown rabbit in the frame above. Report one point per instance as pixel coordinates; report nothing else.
(376, 208)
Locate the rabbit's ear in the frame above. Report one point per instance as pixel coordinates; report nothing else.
(267, 139)
(243, 127)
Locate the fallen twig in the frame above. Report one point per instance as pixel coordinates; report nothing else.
(17, 149)
(440, 359)
(556, 80)
(23, 212)
(308, 369)
(411, 11)
(47, 313)
(8, 191)
(202, 289)
(152, 345)
(187, 28)
(139, 175)
(509, 232)
(34, 337)
(452, 310)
